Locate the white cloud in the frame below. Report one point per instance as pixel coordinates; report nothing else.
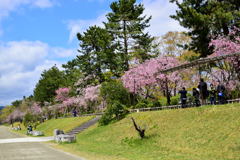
(79, 26)
(92, 0)
(161, 23)
(43, 3)
(15, 85)
(8, 6)
(21, 64)
(64, 53)
(25, 53)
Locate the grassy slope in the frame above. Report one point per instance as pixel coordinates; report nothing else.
(206, 133)
(65, 124)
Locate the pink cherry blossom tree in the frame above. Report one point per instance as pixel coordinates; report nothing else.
(224, 45)
(87, 100)
(226, 72)
(147, 75)
(62, 94)
(222, 76)
(91, 93)
(16, 115)
(36, 109)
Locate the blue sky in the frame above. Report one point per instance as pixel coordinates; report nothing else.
(50, 23)
(36, 34)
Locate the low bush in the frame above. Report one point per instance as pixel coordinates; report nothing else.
(30, 119)
(147, 103)
(117, 99)
(175, 100)
(115, 111)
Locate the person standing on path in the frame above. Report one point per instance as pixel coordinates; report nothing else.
(221, 93)
(212, 94)
(183, 97)
(195, 95)
(203, 91)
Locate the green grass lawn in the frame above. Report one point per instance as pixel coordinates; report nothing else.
(65, 124)
(205, 133)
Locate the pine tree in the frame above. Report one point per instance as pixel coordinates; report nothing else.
(127, 23)
(207, 19)
(143, 48)
(96, 53)
(49, 82)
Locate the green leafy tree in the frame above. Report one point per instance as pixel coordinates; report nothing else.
(17, 103)
(118, 100)
(175, 44)
(49, 82)
(113, 91)
(207, 19)
(30, 119)
(127, 23)
(5, 112)
(144, 48)
(115, 111)
(97, 53)
(72, 72)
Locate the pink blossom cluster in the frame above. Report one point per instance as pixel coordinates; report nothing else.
(62, 94)
(74, 101)
(224, 77)
(36, 109)
(148, 73)
(90, 95)
(15, 115)
(53, 108)
(64, 106)
(229, 44)
(229, 71)
(224, 45)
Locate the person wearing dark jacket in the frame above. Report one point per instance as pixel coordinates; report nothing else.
(203, 91)
(196, 95)
(212, 94)
(221, 93)
(183, 97)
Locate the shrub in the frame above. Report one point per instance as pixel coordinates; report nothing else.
(175, 100)
(114, 91)
(118, 100)
(163, 101)
(115, 111)
(30, 119)
(156, 103)
(105, 119)
(235, 93)
(148, 103)
(140, 105)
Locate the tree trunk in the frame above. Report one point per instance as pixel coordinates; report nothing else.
(141, 132)
(167, 92)
(125, 56)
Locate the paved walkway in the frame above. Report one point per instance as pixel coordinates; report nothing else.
(15, 147)
(27, 139)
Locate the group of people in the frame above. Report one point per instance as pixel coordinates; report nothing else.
(202, 94)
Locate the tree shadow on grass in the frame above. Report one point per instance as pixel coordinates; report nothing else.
(136, 141)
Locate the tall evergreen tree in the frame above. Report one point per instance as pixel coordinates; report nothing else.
(143, 48)
(49, 82)
(96, 53)
(127, 23)
(72, 72)
(207, 19)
